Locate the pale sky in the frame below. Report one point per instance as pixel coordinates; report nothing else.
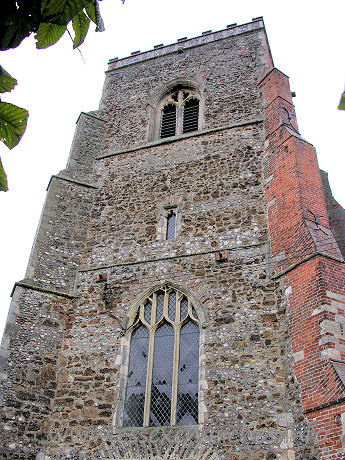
(55, 85)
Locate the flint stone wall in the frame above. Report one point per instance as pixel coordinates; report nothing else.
(226, 73)
(107, 219)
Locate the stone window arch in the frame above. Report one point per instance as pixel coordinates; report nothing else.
(170, 225)
(163, 375)
(179, 112)
(175, 109)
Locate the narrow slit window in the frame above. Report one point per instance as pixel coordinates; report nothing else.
(190, 116)
(171, 226)
(168, 123)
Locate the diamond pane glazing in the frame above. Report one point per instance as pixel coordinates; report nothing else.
(136, 379)
(160, 303)
(162, 376)
(184, 308)
(188, 374)
(147, 312)
(172, 306)
(171, 226)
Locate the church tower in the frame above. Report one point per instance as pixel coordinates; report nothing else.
(185, 293)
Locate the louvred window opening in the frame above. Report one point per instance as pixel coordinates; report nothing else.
(168, 123)
(180, 113)
(190, 116)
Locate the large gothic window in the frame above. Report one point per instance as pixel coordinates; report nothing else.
(163, 368)
(179, 112)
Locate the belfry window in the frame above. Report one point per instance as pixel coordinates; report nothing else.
(179, 113)
(168, 122)
(163, 368)
(190, 116)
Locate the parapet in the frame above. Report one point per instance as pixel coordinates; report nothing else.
(185, 43)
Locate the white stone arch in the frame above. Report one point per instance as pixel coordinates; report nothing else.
(123, 358)
(172, 284)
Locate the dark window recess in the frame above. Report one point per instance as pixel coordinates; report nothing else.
(188, 375)
(163, 356)
(190, 116)
(171, 219)
(168, 123)
(136, 382)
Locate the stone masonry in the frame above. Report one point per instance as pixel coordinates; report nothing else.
(267, 279)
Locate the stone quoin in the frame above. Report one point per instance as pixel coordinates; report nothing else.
(185, 294)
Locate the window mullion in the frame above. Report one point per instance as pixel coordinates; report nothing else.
(175, 374)
(165, 304)
(150, 363)
(179, 120)
(177, 328)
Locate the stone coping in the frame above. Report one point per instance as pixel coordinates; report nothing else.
(184, 43)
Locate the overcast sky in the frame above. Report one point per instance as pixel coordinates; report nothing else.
(55, 85)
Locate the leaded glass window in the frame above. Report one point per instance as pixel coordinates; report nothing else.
(180, 112)
(136, 379)
(163, 368)
(171, 225)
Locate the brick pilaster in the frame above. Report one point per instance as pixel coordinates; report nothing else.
(305, 252)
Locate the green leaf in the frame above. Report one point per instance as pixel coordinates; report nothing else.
(18, 18)
(342, 102)
(68, 10)
(7, 83)
(48, 34)
(12, 35)
(12, 123)
(95, 15)
(91, 12)
(3, 179)
(80, 25)
(44, 4)
(52, 7)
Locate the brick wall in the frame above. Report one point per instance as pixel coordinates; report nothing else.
(336, 214)
(306, 255)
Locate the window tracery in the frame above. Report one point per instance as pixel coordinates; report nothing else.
(163, 367)
(179, 112)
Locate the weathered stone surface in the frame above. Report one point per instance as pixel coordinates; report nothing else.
(103, 214)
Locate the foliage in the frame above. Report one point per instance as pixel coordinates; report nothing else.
(342, 102)
(49, 20)
(12, 123)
